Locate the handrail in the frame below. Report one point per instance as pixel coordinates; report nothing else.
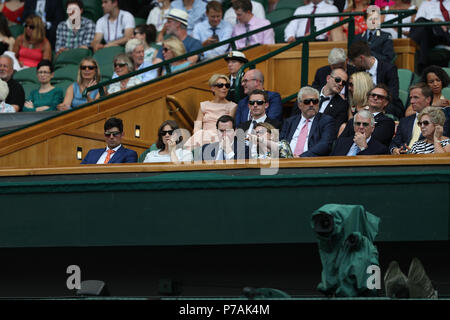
(185, 117)
(232, 44)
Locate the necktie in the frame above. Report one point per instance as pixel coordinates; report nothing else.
(444, 11)
(415, 134)
(247, 40)
(214, 31)
(108, 156)
(370, 38)
(308, 23)
(322, 99)
(354, 150)
(302, 139)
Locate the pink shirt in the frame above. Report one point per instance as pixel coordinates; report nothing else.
(264, 37)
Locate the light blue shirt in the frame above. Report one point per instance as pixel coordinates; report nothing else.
(203, 31)
(146, 76)
(196, 15)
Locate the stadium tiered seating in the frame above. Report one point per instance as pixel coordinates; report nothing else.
(277, 15)
(71, 57)
(290, 4)
(104, 58)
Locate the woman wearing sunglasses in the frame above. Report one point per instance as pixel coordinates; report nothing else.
(122, 66)
(169, 145)
(265, 143)
(88, 76)
(32, 46)
(431, 122)
(205, 130)
(47, 97)
(172, 48)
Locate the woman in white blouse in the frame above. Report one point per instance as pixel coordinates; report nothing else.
(169, 145)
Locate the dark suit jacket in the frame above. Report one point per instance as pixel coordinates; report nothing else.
(55, 12)
(209, 151)
(384, 129)
(123, 155)
(274, 111)
(232, 91)
(321, 135)
(404, 132)
(343, 145)
(245, 125)
(320, 79)
(381, 45)
(387, 74)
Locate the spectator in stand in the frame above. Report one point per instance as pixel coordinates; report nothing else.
(169, 145)
(51, 13)
(76, 31)
(257, 10)
(6, 39)
(196, 10)
(157, 15)
(302, 27)
(147, 34)
(252, 80)
(176, 25)
(341, 33)
(122, 66)
(359, 85)
(16, 96)
(135, 49)
(247, 22)
(431, 122)
(209, 111)
(400, 5)
(213, 30)
(32, 46)
(47, 97)
(115, 28)
(88, 76)
(172, 48)
(13, 10)
(4, 91)
(235, 60)
(266, 145)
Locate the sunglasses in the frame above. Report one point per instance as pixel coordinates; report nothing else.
(221, 85)
(258, 132)
(165, 49)
(364, 124)
(164, 132)
(121, 65)
(32, 27)
(308, 101)
(115, 134)
(378, 96)
(424, 122)
(88, 67)
(258, 102)
(137, 32)
(339, 80)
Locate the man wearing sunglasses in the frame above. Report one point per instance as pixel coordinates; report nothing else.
(252, 80)
(408, 132)
(362, 143)
(381, 72)
(258, 104)
(310, 133)
(114, 151)
(378, 99)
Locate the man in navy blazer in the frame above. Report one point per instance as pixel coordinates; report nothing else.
(378, 99)
(114, 152)
(362, 143)
(380, 71)
(421, 97)
(254, 79)
(310, 133)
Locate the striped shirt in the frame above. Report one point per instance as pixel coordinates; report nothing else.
(423, 147)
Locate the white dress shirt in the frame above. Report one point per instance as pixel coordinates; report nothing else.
(325, 103)
(102, 158)
(431, 10)
(257, 10)
(296, 28)
(293, 142)
(373, 71)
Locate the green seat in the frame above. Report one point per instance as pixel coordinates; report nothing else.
(28, 87)
(16, 30)
(63, 84)
(447, 70)
(446, 92)
(28, 74)
(289, 4)
(105, 58)
(405, 78)
(72, 56)
(92, 9)
(277, 15)
(68, 72)
(139, 21)
(144, 154)
(416, 78)
(403, 95)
